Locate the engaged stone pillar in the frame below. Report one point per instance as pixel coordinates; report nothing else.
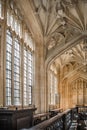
(85, 94)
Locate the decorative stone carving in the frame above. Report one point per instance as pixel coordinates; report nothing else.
(55, 39)
(70, 3)
(60, 22)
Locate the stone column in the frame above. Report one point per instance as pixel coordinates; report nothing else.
(85, 93)
(80, 93)
(70, 95)
(1, 68)
(60, 89)
(66, 94)
(39, 90)
(77, 92)
(74, 94)
(3, 27)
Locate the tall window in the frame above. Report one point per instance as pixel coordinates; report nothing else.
(13, 72)
(1, 9)
(8, 68)
(12, 46)
(15, 52)
(53, 88)
(27, 77)
(17, 59)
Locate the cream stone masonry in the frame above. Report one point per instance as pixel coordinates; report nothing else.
(58, 26)
(59, 31)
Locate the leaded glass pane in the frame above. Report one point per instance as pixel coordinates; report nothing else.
(27, 77)
(8, 67)
(1, 9)
(16, 72)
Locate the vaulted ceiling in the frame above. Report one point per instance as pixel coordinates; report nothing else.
(61, 25)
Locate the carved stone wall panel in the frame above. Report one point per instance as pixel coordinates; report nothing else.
(79, 92)
(85, 93)
(74, 93)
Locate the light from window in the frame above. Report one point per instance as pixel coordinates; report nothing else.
(14, 64)
(16, 72)
(53, 88)
(8, 68)
(1, 9)
(8, 17)
(27, 77)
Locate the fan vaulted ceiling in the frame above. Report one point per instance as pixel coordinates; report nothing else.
(60, 25)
